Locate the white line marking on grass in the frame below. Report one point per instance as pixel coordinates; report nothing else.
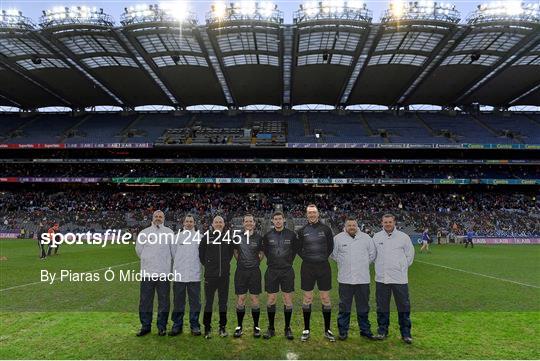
(478, 274)
(292, 356)
(96, 270)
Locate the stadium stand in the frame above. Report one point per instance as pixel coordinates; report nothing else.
(149, 127)
(490, 213)
(336, 128)
(99, 128)
(403, 129)
(195, 170)
(11, 126)
(39, 129)
(271, 128)
(516, 126)
(298, 129)
(462, 128)
(220, 128)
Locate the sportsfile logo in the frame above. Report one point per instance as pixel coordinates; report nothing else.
(118, 236)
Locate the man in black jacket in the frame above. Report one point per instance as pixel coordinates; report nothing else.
(215, 253)
(279, 247)
(316, 244)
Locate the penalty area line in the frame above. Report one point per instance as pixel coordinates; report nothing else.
(478, 274)
(38, 282)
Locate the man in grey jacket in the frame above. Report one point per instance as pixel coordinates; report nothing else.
(154, 249)
(186, 263)
(353, 252)
(395, 254)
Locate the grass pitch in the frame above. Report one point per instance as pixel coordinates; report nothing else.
(466, 303)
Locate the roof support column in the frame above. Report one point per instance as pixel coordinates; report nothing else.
(287, 64)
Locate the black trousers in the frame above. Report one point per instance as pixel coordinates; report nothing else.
(211, 286)
(49, 251)
(42, 252)
(360, 294)
(383, 294)
(179, 301)
(146, 303)
(469, 241)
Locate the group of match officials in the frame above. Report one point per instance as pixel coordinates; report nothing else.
(390, 249)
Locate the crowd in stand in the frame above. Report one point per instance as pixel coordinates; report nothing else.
(498, 214)
(268, 170)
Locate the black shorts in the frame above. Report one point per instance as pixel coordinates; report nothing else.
(274, 279)
(319, 272)
(247, 279)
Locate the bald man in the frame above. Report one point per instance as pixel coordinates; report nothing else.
(316, 244)
(215, 254)
(154, 248)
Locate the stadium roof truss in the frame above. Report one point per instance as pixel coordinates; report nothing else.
(28, 81)
(490, 63)
(403, 54)
(178, 56)
(249, 54)
(239, 61)
(325, 54)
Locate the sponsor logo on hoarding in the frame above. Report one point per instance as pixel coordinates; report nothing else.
(507, 240)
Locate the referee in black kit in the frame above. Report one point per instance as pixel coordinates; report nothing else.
(280, 246)
(247, 277)
(315, 245)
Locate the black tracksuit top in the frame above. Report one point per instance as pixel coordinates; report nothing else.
(248, 253)
(315, 242)
(280, 248)
(216, 258)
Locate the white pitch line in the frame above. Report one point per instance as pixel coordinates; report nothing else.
(96, 270)
(478, 274)
(292, 356)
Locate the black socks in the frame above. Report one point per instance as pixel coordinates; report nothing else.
(271, 309)
(327, 313)
(240, 313)
(307, 315)
(287, 310)
(255, 313)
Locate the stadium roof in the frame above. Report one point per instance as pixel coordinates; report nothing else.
(333, 53)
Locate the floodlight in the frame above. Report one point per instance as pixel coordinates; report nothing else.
(511, 10)
(13, 18)
(59, 15)
(267, 8)
(247, 7)
(244, 10)
(396, 7)
(421, 10)
(219, 9)
(356, 4)
(177, 9)
(333, 9)
(169, 11)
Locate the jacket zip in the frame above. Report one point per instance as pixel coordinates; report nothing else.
(219, 247)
